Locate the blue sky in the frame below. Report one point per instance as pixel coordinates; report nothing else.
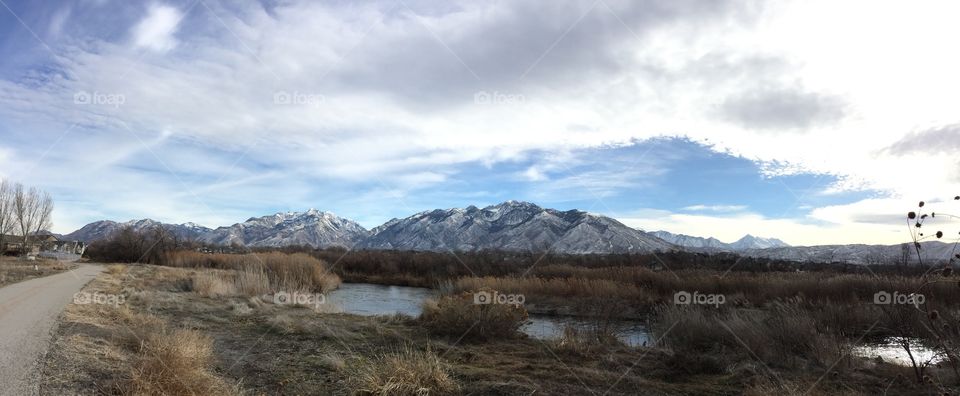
(707, 118)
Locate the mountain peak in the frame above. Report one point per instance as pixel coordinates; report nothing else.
(511, 225)
(312, 227)
(514, 204)
(712, 244)
(752, 242)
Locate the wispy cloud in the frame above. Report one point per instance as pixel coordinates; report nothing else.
(715, 208)
(311, 93)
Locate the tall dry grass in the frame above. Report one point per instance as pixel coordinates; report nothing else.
(175, 362)
(560, 287)
(407, 372)
(783, 336)
(642, 285)
(458, 316)
(167, 360)
(255, 274)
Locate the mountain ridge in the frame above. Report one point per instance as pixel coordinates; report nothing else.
(711, 244)
(510, 225)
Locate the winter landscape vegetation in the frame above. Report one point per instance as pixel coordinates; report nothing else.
(583, 197)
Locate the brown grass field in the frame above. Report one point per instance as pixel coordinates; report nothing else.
(13, 270)
(206, 329)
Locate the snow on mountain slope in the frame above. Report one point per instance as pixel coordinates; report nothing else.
(715, 245)
(931, 252)
(512, 225)
(692, 242)
(312, 228)
(752, 242)
(104, 228)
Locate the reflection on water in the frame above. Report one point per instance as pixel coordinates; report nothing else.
(547, 327)
(891, 352)
(369, 299)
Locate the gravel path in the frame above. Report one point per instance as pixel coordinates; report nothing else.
(28, 312)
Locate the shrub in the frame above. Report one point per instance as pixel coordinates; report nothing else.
(213, 284)
(406, 372)
(131, 246)
(167, 361)
(256, 274)
(584, 341)
(458, 316)
(781, 336)
(175, 362)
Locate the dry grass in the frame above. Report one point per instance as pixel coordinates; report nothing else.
(255, 274)
(459, 316)
(166, 360)
(116, 349)
(753, 287)
(13, 270)
(584, 342)
(783, 336)
(559, 287)
(406, 372)
(278, 350)
(175, 362)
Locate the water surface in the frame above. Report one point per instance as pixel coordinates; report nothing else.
(370, 299)
(891, 352)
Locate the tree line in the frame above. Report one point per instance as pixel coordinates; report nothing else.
(24, 211)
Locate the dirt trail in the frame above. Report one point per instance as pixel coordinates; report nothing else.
(28, 312)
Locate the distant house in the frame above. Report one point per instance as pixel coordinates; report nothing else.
(36, 244)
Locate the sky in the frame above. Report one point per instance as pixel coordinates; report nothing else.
(815, 122)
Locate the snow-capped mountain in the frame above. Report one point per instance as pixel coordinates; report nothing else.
(752, 242)
(692, 242)
(714, 245)
(512, 225)
(104, 228)
(931, 252)
(313, 228)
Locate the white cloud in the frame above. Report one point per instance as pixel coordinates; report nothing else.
(156, 30)
(399, 99)
(798, 232)
(715, 208)
(534, 173)
(871, 221)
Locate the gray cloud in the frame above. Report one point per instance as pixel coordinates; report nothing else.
(525, 46)
(782, 108)
(944, 139)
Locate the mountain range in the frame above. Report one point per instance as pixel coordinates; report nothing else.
(710, 245)
(511, 225)
(515, 226)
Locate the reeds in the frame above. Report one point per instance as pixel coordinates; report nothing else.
(255, 274)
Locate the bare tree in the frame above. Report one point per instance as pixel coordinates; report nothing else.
(43, 217)
(33, 210)
(7, 222)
